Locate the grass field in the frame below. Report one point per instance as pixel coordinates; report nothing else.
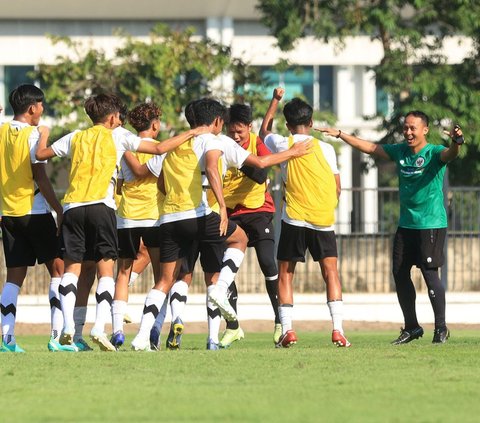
(251, 382)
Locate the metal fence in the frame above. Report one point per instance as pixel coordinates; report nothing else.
(364, 246)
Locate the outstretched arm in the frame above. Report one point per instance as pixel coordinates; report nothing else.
(366, 147)
(266, 127)
(451, 152)
(139, 170)
(216, 185)
(297, 150)
(172, 143)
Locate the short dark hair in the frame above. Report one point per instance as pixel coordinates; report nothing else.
(123, 113)
(99, 106)
(190, 113)
(24, 96)
(240, 113)
(297, 112)
(207, 110)
(142, 116)
(419, 114)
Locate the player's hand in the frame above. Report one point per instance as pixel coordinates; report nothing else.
(456, 135)
(278, 93)
(223, 221)
(332, 132)
(44, 130)
(301, 148)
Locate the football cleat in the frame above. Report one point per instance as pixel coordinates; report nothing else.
(101, 340)
(127, 319)
(407, 336)
(338, 339)
(117, 339)
(230, 336)
(220, 299)
(14, 348)
(139, 344)
(175, 335)
(288, 339)
(277, 332)
(440, 336)
(155, 339)
(212, 346)
(66, 338)
(55, 346)
(82, 345)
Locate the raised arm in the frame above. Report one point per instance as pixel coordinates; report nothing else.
(43, 152)
(216, 185)
(364, 146)
(451, 152)
(297, 150)
(266, 127)
(172, 143)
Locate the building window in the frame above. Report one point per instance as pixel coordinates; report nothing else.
(13, 77)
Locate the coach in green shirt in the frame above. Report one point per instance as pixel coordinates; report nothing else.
(422, 227)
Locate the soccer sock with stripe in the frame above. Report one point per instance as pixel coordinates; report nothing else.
(56, 316)
(153, 304)
(232, 259)
(133, 278)
(178, 299)
(232, 295)
(285, 311)
(336, 311)
(119, 309)
(68, 296)
(79, 317)
(213, 317)
(8, 307)
(104, 297)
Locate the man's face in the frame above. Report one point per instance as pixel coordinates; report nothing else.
(414, 131)
(240, 132)
(36, 112)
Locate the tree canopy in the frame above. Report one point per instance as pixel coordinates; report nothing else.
(414, 70)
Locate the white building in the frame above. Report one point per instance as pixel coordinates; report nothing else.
(338, 81)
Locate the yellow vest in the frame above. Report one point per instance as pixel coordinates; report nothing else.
(311, 190)
(17, 187)
(240, 189)
(183, 179)
(94, 159)
(141, 198)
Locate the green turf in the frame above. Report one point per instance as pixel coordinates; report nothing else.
(312, 382)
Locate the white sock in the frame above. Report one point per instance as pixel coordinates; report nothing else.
(119, 308)
(56, 316)
(133, 278)
(153, 304)
(104, 296)
(8, 302)
(79, 317)
(160, 319)
(178, 299)
(213, 317)
(285, 312)
(232, 259)
(68, 296)
(336, 311)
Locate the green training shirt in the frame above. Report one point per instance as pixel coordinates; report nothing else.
(420, 178)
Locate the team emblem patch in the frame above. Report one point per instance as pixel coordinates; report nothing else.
(419, 162)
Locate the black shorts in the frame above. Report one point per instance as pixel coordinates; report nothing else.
(176, 237)
(417, 247)
(294, 241)
(211, 257)
(257, 226)
(89, 233)
(29, 239)
(129, 240)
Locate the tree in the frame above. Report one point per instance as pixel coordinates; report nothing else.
(171, 68)
(413, 70)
